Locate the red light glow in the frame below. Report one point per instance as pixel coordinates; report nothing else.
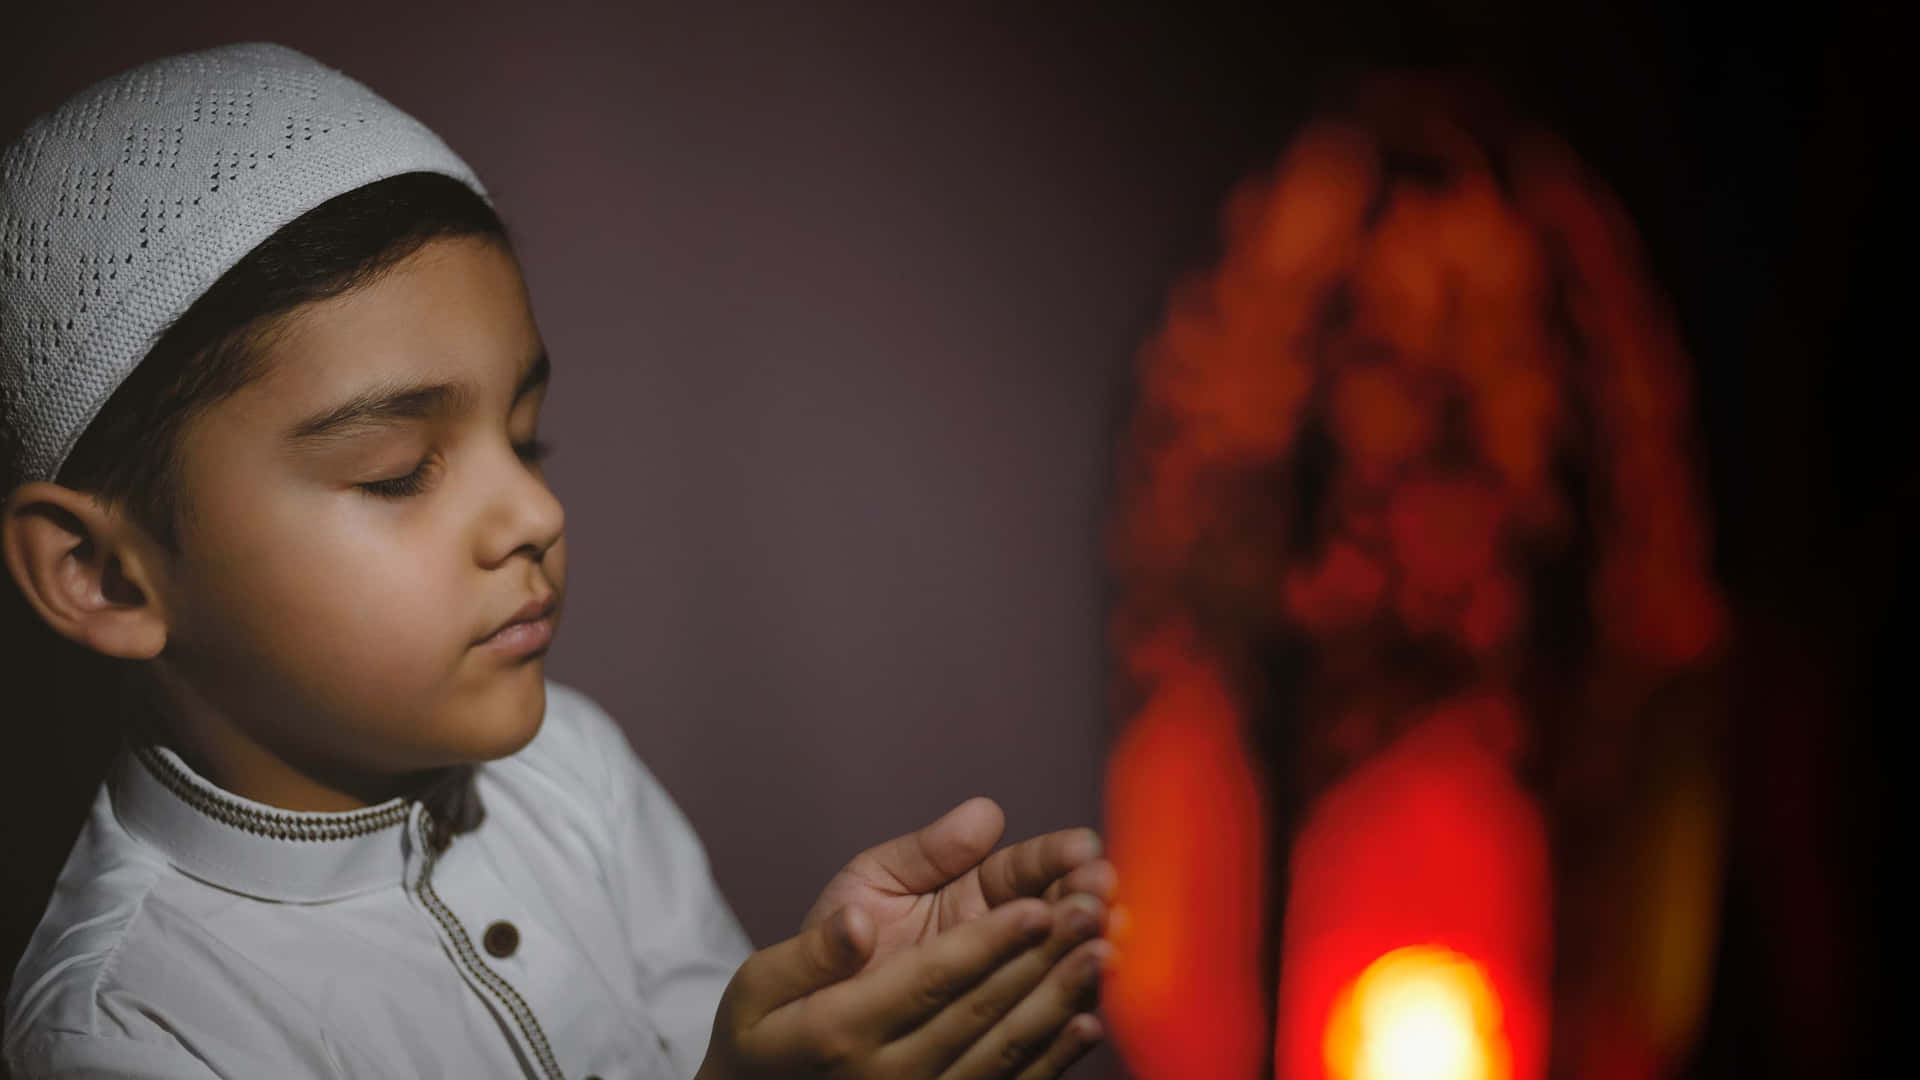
(1186, 998)
(1415, 582)
(1430, 843)
(1418, 1013)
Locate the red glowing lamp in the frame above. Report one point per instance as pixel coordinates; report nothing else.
(1415, 583)
(1422, 1012)
(1418, 917)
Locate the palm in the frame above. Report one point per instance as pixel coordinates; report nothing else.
(926, 882)
(902, 917)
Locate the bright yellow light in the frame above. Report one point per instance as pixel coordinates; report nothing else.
(1418, 1013)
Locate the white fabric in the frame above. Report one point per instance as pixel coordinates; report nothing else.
(119, 208)
(184, 942)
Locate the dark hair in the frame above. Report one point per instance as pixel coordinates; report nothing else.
(128, 454)
(128, 457)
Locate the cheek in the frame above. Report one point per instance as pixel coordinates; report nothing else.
(339, 590)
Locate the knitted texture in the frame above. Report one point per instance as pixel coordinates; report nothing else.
(119, 208)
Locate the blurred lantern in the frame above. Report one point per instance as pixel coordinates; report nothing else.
(1419, 1013)
(1419, 774)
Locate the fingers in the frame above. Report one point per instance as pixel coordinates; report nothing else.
(927, 858)
(1027, 868)
(899, 992)
(1081, 1034)
(1010, 989)
(1025, 1037)
(830, 951)
(1098, 878)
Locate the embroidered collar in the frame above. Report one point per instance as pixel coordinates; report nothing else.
(252, 848)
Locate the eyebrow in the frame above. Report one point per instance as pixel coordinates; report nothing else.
(388, 403)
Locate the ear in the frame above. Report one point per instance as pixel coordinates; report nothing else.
(86, 570)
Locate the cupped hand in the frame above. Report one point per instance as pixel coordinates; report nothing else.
(915, 886)
(1001, 997)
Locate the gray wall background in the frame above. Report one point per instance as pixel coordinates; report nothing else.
(841, 301)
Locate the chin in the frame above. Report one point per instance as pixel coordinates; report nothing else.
(505, 721)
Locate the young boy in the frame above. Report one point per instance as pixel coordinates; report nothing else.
(269, 391)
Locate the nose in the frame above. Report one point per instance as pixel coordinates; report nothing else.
(522, 514)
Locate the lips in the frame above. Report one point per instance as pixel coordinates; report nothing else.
(531, 611)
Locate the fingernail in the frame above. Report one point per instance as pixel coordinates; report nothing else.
(1095, 960)
(1086, 846)
(1083, 920)
(1088, 1028)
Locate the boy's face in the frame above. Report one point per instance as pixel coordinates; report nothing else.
(330, 624)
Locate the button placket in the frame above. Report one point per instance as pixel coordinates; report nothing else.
(448, 895)
(583, 1023)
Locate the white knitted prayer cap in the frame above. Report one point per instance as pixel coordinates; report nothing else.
(119, 208)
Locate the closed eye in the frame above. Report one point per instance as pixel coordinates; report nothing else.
(533, 451)
(399, 487)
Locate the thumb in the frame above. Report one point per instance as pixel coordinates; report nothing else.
(832, 949)
(932, 856)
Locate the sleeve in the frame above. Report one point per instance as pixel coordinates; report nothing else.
(684, 937)
(74, 1055)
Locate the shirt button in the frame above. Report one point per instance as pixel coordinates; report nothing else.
(501, 939)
